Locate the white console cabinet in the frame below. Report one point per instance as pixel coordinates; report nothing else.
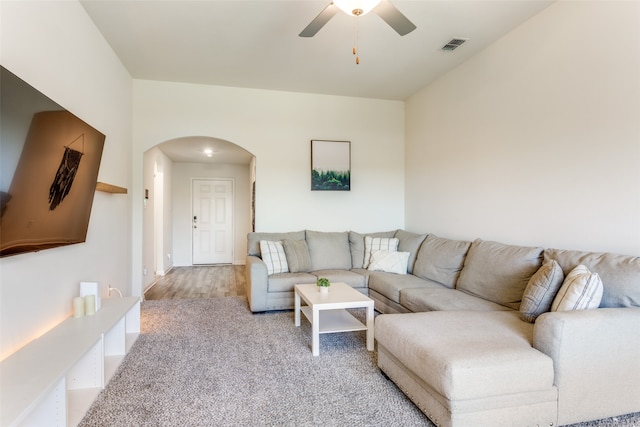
(53, 380)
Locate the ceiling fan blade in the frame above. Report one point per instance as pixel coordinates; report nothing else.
(394, 18)
(319, 21)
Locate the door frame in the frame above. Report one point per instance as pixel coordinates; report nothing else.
(233, 214)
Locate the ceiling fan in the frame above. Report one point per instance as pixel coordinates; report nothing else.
(382, 8)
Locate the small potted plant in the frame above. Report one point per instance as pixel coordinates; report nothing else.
(323, 283)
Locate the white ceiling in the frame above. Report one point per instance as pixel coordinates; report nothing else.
(192, 149)
(255, 43)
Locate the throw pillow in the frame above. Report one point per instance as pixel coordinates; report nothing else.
(273, 255)
(389, 262)
(356, 244)
(297, 253)
(581, 290)
(372, 244)
(541, 290)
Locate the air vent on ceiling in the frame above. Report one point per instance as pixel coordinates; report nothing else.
(453, 44)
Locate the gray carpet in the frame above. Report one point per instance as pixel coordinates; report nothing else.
(211, 362)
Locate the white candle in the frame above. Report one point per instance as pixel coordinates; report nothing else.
(90, 305)
(78, 307)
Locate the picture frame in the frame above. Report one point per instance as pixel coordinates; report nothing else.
(330, 165)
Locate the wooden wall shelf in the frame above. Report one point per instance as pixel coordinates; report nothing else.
(108, 188)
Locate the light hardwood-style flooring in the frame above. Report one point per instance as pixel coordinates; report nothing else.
(199, 282)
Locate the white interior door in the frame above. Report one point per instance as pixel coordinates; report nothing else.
(212, 221)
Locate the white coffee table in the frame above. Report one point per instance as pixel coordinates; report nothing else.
(327, 312)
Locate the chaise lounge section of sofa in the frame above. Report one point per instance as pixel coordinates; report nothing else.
(467, 331)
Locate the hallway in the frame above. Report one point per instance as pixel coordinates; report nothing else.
(199, 282)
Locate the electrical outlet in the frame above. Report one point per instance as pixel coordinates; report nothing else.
(144, 271)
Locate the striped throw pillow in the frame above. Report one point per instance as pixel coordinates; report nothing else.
(581, 290)
(273, 255)
(541, 291)
(373, 244)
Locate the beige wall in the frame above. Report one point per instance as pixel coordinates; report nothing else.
(277, 128)
(55, 47)
(535, 140)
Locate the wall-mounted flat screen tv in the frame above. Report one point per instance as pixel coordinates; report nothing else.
(49, 161)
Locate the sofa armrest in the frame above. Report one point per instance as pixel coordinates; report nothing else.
(596, 360)
(256, 282)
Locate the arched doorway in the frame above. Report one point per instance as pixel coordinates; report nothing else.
(169, 172)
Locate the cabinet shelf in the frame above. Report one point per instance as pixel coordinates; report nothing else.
(79, 401)
(54, 379)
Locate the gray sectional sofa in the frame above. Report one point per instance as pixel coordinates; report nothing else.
(468, 332)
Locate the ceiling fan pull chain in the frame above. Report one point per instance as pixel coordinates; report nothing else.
(355, 41)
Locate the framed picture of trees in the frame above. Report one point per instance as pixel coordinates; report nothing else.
(330, 165)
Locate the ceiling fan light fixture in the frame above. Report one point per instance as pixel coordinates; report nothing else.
(385, 10)
(356, 7)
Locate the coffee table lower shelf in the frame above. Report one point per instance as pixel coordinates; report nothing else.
(332, 321)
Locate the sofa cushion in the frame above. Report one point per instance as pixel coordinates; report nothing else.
(372, 244)
(467, 354)
(253, 239)
(389, 262)
(620, 274)
(273, 255)
(541, 290)
(581, 290)
(498, 272)
(409, 242)
(439, 298)
(351, 278)
(298, 257)
(389, 285)
(329, 250)
(284, 282)
(356, 243)
(441, 260)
